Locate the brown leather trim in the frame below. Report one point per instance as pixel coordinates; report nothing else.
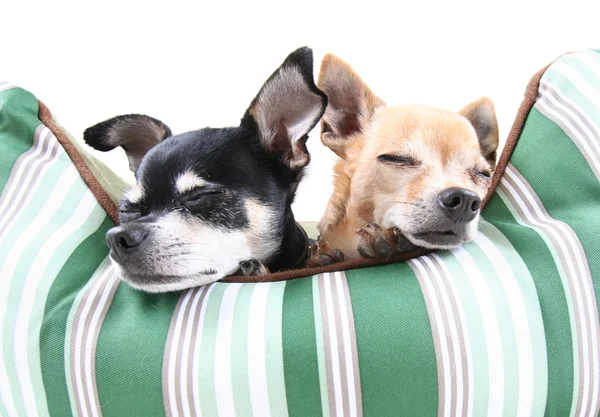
(101, 195)
(340, 266)
(515, 131)
(511, 142)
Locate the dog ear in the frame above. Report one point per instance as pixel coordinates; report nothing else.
(351, 103)
(135, 133)
(287, 108)
(482, 115)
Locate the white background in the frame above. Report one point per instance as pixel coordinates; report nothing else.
(200, 64)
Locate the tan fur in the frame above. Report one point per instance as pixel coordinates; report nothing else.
(359, 127)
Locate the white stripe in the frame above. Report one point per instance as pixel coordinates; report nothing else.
(578, 81)
(257, 368)
(7, 86)
(112, 281)
(435, 304)
(467, 337)
(7, 270)
(592, 59)
(27, 304)
(520, 321)
(185, 355)
(589, 58)
(491, 329)
(579, 273)
(565, 240)
(453, 334)
(544, 106)
(591, 138)
(347, 343)
(196, 361)
(335, 359)
(78, 349)
(173, 354)
(27, 167)
(222, 362)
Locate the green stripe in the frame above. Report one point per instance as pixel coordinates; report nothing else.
(553, 303)
(32, 210)
(61, 257)
(505, 324)
(78, 295)
(130, 353)
(558, 191)
(239, 352)
(274, 350)
(17, 283)
(299, 341)
(533, 311)
(397, 359)
(68, 284)
(18, 121)
(206, 363)
(478, 347)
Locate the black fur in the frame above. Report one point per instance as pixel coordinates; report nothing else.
(96, 135)
(235, 163)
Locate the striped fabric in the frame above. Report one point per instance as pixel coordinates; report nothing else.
(505, 326)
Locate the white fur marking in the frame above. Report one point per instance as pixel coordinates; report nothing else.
(262, 230)
(188, 181)
(135, 194)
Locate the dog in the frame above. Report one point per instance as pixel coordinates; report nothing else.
(215, 201)
(407, 176)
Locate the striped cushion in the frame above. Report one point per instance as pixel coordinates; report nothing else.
(504, 326)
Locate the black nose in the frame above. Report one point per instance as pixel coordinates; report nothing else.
(459, 204)
(122, 240)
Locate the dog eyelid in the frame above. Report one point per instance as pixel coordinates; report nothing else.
(403, 160)
(200, 192)
(128, 207)
(485, 173)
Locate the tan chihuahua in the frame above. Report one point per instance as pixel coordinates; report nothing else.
(408, 175)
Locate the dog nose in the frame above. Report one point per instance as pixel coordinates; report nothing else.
(123, 239)
(459, 204)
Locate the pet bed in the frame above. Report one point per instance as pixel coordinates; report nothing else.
(505, 326)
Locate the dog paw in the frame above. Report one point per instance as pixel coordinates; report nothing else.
(322, 254)
(378, 242)
(252, 267)
(402, 243)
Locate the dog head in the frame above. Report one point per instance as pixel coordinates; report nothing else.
(421, 169)
(206, 200)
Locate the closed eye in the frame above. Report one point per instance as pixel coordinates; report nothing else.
(486, 173)
(129, 212)
(200, 193)
(402, 160)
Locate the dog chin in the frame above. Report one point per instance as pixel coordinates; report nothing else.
(434, 245)
(183, 283)
(160, 283)
(438, 241)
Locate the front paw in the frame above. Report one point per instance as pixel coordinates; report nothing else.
(252, 267)
(378, 242)
(322, 254)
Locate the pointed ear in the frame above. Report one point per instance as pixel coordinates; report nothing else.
(287, 108)
(135, 133)
(482, 116)
(351, 103)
